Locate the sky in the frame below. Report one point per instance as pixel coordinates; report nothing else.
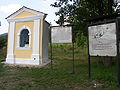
(8, 7)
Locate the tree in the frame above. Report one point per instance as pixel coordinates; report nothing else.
(76, 12)
(3, 42)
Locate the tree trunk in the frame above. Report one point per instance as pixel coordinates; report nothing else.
(107, 61)
(110, 4)
(100, 7)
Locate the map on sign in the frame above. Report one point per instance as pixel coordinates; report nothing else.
(102, 40)
(61, 34)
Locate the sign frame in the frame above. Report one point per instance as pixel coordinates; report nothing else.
(105, 21)
(98, 54)
(73, 61)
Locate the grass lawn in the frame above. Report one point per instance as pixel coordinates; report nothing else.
(60, 78)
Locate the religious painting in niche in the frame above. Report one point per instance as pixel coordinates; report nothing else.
(24, 38)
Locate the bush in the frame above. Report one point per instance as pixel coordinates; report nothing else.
(81, 40)
(3, 42)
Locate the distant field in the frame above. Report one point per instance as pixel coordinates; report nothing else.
(60, 78)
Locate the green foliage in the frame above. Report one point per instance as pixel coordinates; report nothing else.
(75, 12)
(60, 78)
(3, 42)
(81, 40)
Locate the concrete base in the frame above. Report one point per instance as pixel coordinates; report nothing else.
(26, 61)
(10, 58)
(27, 65)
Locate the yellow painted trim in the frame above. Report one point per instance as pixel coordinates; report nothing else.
(41, 36)
(23, 53)
(25, 14)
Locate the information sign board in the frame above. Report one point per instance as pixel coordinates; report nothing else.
(61, 34)
(102, 40)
